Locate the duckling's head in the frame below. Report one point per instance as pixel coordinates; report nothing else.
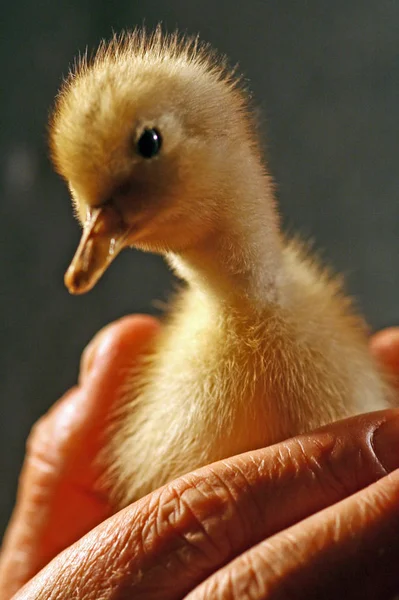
(150, 136)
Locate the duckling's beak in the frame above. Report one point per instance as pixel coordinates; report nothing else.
(104, 236)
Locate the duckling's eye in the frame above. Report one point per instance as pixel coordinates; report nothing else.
(149, 143)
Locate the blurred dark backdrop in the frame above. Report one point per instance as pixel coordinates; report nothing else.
(326, 78)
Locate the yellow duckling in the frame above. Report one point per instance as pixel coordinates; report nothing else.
(157, 143)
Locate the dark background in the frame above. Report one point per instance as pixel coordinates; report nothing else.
(325, 75)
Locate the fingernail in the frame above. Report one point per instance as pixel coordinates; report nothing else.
(386, 443)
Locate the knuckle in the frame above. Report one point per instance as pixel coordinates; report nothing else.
(198, 513)
(249, 580)
(333, 464)
(203, 513)
(36, 435)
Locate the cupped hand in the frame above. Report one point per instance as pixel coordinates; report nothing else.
(58, 498)
(306, 518)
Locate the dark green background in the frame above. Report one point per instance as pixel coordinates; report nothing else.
(326, 77)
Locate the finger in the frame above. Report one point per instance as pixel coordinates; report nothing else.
(110, 342)
(350, 549)
(67, 439)
(168, 542)
(57, 501)
(104, 365)
(385, 347)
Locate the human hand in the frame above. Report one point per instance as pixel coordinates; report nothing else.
(58, 498)
(179, 535)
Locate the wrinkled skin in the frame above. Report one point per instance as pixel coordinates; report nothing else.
(312, 517)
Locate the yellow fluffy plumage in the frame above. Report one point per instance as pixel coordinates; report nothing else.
(160, 151)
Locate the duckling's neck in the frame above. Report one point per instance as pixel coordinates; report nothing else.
(241, 259)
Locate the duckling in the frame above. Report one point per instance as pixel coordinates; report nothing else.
(157, 142)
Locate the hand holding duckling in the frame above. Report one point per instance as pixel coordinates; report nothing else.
(160, 151)
(208, 517)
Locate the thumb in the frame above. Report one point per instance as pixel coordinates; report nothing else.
(384, 345)
(57, 501)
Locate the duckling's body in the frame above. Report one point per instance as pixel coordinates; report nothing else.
(262, 344)
(225, 378)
